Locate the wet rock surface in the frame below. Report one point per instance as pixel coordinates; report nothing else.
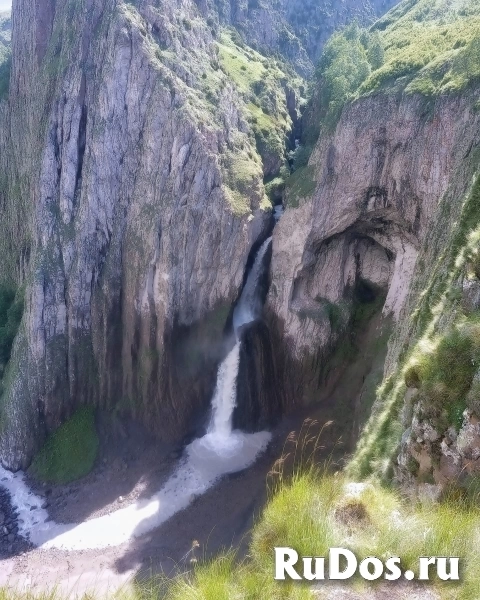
(11, 543)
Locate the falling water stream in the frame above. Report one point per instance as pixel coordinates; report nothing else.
(221, 451)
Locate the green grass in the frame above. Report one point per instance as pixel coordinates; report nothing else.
(274, 188)
(261, 82)
(434, 43)
(243, 175)
(8, 594)
(70, 452)
(444, 372)
(429, 47)
(233, 58)
(315, 511)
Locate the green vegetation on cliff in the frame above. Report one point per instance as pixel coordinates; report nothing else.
(434, 44)
(441, 354)
(429, 47)
(70, 452)
(11, 311)
(262, 82)
(444, 370)
(301, 184)
(347, 61)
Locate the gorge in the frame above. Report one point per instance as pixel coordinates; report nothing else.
(208, 209)
(220, 451)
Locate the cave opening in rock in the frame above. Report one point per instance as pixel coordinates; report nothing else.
(365, 292)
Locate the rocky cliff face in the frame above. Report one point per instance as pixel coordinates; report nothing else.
(385, 209)
(134, 144)
(143, 196)
(432, 367)
(379, 179)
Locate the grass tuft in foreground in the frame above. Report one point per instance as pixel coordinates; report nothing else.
(315, 511)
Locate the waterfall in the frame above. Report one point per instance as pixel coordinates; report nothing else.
(249, 308)
(206, 460)
(225, 397)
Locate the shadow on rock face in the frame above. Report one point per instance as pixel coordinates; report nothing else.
(259, 403)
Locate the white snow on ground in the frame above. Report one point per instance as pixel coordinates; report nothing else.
(198, 472)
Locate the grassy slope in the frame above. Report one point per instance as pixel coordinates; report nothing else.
(316, 512)
(429, 47)
(261, 81)
(434, 44)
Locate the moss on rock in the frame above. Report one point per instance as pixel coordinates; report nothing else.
(70, 452)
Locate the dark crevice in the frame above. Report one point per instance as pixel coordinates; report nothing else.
(82, 134)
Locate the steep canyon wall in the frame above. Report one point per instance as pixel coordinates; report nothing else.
(133, 145)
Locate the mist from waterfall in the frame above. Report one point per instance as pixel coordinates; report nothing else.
(220, 452)
(225, 397)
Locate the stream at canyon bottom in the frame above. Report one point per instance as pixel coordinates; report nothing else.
(220, 452)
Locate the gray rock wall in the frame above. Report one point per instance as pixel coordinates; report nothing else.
(379, 179)
(138, 248)
(296, 29)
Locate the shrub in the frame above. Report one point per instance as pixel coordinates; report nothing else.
(343, 67)
(301, 156)
(436, 47)
(5, 68)
(300, 185)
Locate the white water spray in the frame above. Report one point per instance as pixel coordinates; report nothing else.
(225, 397)
(207, 459)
